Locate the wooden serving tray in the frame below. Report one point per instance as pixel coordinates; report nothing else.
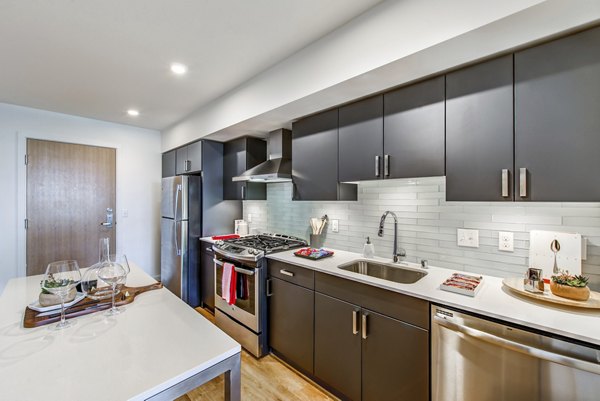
(86, 306)
(516, 284)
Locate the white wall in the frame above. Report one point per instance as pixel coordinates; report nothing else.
(393, 43)
(138, 181)
(427, 224)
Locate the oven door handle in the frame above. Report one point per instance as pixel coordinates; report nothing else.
(237, 269)
(518, 347)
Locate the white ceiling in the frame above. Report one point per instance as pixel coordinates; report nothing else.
(99, 58)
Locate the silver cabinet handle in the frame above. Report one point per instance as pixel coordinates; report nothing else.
(243, 192)
(269, 289)
(364, 325)
(386, 165)
(518, 347)
(523, 182)
(286, 272)
(505, 183)
(209, 250)
(355, 322)
(376, 166)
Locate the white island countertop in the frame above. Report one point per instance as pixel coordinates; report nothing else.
(158, 342)
(493, 300)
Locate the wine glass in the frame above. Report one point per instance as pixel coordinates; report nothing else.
(122, 260)
(112, 273)
(60, 278)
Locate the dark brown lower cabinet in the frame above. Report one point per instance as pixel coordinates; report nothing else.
(207, 275)
(337, 346)
(363, 355)
(395, 360)
(291, 323)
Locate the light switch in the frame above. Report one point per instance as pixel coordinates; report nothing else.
(124, 213)
(335, 226)
(468, 238)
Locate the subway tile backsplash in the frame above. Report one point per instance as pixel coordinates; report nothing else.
(427, 224)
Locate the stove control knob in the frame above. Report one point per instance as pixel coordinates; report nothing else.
(219, 242)
(252, 251)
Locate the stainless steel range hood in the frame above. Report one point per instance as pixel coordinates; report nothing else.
(278, 167)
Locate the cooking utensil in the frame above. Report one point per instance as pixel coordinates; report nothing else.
(555, 247)
(324, 220)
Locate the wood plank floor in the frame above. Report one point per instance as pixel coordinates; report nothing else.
(262, 379)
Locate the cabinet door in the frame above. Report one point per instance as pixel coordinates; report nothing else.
(361, 140)
(207, 275)
(479, 131)
(413, 127)
(315, 159)
(557, 119)
(234, 163)
(337, 347)
(181, 161)
(395, 360)
(291, 323)
(168, 163)
(194, 157)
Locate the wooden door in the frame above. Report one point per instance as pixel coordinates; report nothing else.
(395, 360)
(337, 346)
(291, 323)
(361, 140)
(479, 132)
(69, 188)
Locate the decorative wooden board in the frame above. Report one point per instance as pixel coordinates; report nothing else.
(86, 306)
(516, 285)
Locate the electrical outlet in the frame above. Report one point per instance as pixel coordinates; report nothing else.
(335, 226)
(468, 238)
(506, 241)
(249, 218)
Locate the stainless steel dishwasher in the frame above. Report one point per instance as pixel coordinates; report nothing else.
(473, 359)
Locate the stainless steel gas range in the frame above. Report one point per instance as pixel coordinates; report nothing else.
(245, 318)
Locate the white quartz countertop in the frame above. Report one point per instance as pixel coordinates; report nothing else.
(157, 342)
(493, 299)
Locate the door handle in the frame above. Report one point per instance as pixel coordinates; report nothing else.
(523, 182)
(505, 183)
(109, 218)
(177, 227)
(269, 289)
(386, 165)
(355, 322)
(376, 166)
(364, 325)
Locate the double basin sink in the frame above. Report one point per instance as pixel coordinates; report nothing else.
(396, 272)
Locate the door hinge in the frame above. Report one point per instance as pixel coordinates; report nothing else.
(26, 159)
(26, 224)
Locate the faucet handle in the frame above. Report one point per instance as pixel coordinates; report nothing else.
(424, 264)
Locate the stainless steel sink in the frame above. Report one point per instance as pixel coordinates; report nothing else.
(391, 272)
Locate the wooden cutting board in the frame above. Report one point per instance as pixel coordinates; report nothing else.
(86, 306)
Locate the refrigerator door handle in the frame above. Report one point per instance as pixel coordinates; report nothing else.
(177, 232)
(177, 213)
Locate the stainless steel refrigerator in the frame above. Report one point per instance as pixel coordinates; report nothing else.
(181, 228)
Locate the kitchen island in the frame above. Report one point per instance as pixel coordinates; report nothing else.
(159, 348)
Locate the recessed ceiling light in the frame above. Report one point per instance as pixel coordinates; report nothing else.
(178, 68)
(133, 113)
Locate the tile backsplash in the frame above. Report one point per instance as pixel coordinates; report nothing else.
(427, 224)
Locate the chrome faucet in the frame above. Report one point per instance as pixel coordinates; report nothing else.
(398, 252)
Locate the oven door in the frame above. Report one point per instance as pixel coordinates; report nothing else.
(246, 310)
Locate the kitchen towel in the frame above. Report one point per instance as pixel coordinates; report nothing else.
(228, 283)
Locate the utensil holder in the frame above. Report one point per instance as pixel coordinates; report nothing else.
(316, 241)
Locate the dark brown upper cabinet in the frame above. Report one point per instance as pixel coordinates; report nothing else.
(315, 159)
(240, 155)
(169, 163)
(479, 132)
(413, 130)
(396, 135)
(557, 120)
(189, 158)
(361, 140)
